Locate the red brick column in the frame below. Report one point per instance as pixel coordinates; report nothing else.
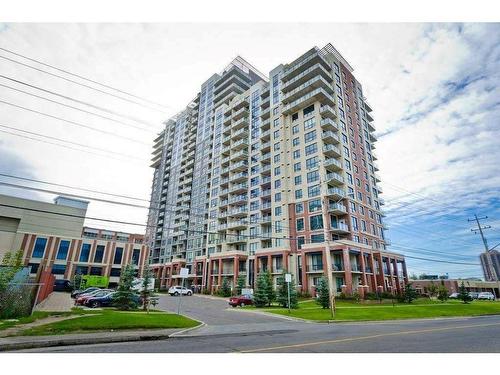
(236, 269)
(396, 275)
(380, 278)
(391, 275)
(269, 264)
(305, 284)
(347, 271)
(363, 268)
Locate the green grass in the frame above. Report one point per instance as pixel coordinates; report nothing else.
(421, 308)
(33, 317)
(106, 320)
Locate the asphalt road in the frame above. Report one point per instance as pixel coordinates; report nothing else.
(234, 330)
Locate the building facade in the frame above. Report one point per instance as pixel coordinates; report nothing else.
(53, 238)
(453, 285)
(273, 174)
(490, 262)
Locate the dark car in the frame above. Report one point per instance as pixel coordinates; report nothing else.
(105, 300)
(80, 300)
(62, 286)
(76, 293)
(242, 300)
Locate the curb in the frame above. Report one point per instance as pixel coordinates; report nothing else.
(176, 334)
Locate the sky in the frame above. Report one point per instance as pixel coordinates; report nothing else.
(433, 87)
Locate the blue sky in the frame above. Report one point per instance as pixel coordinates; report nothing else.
(433, 87)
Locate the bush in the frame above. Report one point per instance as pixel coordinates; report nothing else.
(349, 297)
(304, 295)
(371, 296)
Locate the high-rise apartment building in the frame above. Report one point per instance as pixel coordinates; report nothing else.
(490, 262)
(275, 174)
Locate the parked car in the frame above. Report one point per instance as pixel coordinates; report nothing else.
(177, 290)
(241, 301)
(474, 295)
(62, 286)
(105, 300)
(453, 296)
(76, 293)
(80, 300)
(486, 295)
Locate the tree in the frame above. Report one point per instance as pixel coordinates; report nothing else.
(463, 294)
(432, 289)
(240, 284)
(260, 294)
(442, 293)
(146, 293)
(77, 280)
(270, 292)
(323, 292)
(282, 292)
(409, 293)
(225, 288)
(124, 298)
(12, 262)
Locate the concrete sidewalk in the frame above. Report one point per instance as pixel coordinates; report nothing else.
(56, 301)
(28, 342)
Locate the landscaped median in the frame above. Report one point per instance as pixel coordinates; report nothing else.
(373, 310)
(89, 327)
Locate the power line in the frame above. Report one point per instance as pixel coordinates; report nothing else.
(82, 84)
(70, 142)
(114, 134)
(441, 261)
(76, 108)
(78, 101)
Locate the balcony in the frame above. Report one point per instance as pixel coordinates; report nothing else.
(369, 117)
(373, 138)
(329, 125)
(236, 238)
(239, 177)
(327, 112)
(240, 166)
(331, 150)
(336, 193)
(243, 112)
(265, 113)
(240, 155)
(265, 146)
(315, 70)
(237, 224)
(337, 209)
(356, 267)
(330, 137)
(333, 165)
(238, 212)
(314, 83)
(334, 179)
(242, 133)
(265, 193)
(302, 65)
(265, 206)
(340, 228)
(314, 267)
(239, 188)
(316, 95)
(238, 199)
(337, 267)
(240, 124)
(266, 134)
(241, 144)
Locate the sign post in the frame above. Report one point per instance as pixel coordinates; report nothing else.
(183, 273)
(288, 280)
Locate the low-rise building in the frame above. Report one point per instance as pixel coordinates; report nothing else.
(52, 237)
(452, 285)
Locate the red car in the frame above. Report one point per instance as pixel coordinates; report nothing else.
(82, 299)
(242, 300)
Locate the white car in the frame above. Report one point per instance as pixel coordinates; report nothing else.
(177, 290)
(486, 295)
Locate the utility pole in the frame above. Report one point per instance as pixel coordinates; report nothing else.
(480, 230)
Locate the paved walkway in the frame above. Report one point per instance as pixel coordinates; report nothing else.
(21, 327)
(56, 301)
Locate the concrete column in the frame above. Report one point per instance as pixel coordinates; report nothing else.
(236, 265)
(219, 279)
(305, 284)
(391, 275)
(269, 264)
(347, 271)
(396, 275)
(363, 269)
(380, 278)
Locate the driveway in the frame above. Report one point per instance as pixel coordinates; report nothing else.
(56, 301)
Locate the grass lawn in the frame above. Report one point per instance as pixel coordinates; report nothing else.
(33, 317)
(106, 320)
(421, 308)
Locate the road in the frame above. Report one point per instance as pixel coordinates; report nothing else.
(235, 330)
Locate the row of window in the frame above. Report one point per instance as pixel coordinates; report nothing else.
(62, 252)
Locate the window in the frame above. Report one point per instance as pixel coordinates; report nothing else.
(297, 167)
(39, 248)
(99, 254)
(295, 129)
(300, 224)
(277, 197)
(298, 180)
(315, 205)
(298, 194)
(277, 211)
(299, 208)
(313, 191)
(62, 252)
(118, 255)
(308, 110)
(353, 206)
(276, 121)
(33, 267)
(96, 271)
(116, 272)
(296, 154)
(58, 269)
(276, 134)
(277, 184)
(311, 149)
(309, 137)
(308, 124)
(312, 176)
(277, 146)
(277, 158)
(135, 256)
(85, 252)
(277, 171)
(316, 222)
(354, 222)
(295, 116)
(296, 141)
(82, 270)
(317, 238)
(312, 162)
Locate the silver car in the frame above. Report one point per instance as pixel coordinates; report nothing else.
(487, 296)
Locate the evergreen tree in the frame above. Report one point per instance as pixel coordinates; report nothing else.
(282, 292)
(270, 292)
(323, 293)
(409, 293)
(442, 293)
(77, 280)
(225, 288)
(146, 293)
(240, 284)
(260, 294)
(432, 289)
(463, 294)
(124, 298)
